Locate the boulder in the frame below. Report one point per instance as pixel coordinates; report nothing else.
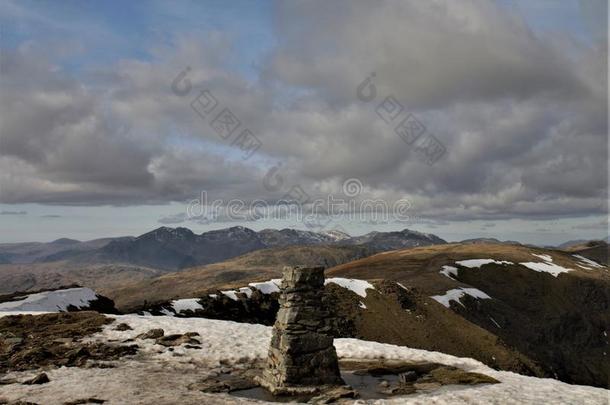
(151, 334)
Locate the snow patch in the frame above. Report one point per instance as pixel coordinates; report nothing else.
(230, 294)
(546, 258)
(457, 293)
(187, 304)
(361, 305)
(52, 301)
(475, 263)
(268, 287)
(357, 286)
(551, 268)
(449, 271)
(167, 312)
(495, 323)
(246, 290)
(588, 262)
(233, 293)
(402, 286)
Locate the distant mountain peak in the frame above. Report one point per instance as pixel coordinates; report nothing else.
(165, 233)
(177, 248)
(337, 235)
(65, 241)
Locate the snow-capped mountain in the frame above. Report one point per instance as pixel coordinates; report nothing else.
(383, 241)
(289, 237)
(336, 235)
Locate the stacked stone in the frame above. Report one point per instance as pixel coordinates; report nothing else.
(301, 355)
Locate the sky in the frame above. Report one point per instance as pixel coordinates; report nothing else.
(488, 118)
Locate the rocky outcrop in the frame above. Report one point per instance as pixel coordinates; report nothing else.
(301, 355)
(54, 340)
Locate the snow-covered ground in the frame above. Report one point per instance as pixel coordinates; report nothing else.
(457, 293)
(546, 258)
(587, 263)
(449, 271)
(157, 375)
(476, 263)
(546, 266)
(268, 287)
(58, 300)
(186, 304)
(357, 286)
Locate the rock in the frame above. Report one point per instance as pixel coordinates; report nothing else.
(224, 384)
(399, 390)
(63, 341)
(452, 375)
(427, 386)
(123, 327)
(301, 358)
(13, 340)
(53, 340)
(151, 334)
(334, 394)
(99, 364)
(407, 377)
(85, 401)
(41, 378)
(177, 339)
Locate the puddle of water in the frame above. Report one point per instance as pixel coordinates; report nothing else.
(264, 395)
(366, 385)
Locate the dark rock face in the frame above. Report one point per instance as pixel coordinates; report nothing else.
(301, 355)
(101, 304)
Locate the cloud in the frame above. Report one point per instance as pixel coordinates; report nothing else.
(178, 218)
(13, 213)
(602, 225)
(522, 115)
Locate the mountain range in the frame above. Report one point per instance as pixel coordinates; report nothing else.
(172, 249)
(514, 307)
(530, 310)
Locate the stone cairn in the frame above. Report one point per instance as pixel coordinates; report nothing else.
(302, 358)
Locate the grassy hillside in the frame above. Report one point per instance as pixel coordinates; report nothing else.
(560, 322)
